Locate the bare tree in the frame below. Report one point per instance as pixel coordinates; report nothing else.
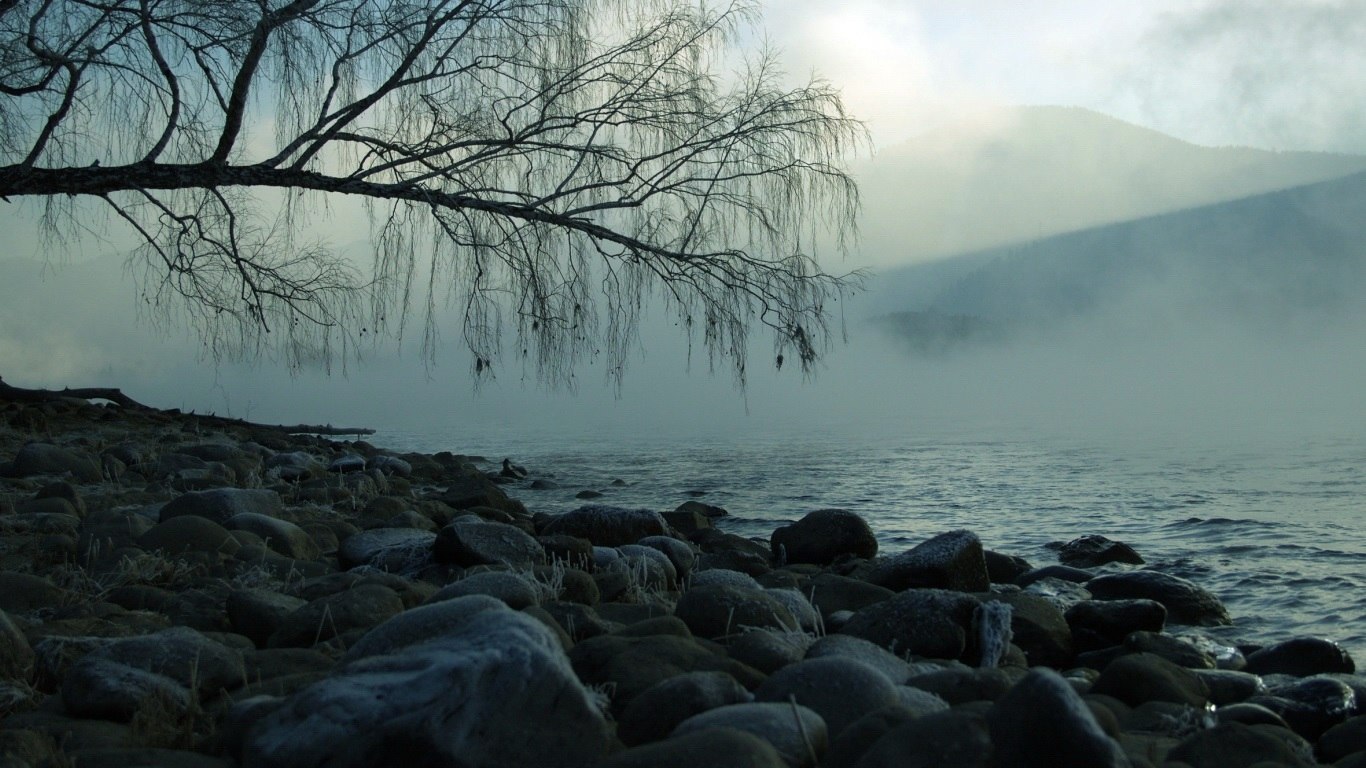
(544, 166)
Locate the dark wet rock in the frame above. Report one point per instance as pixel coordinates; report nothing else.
(47, 459)
(324, 618)
(397, 550)
(1100, 624)
(1310, 706)
(16, 656)
(1174, 649)
(514, 590)
(713, 747)
(688, 519)
(729, 551)
(634, 663)
(1037, 626)
(1301, 657)
(1061, 593)
(1234, 745)
(659, 709)
(942, 739)
(1061, 572)
(100, 688)
(718, 610)
(830, 592)
(797, 733)
(258, 613)
(1185, 602)
(925, 622)
(470, 696)
(950, 561)
(766, 650)
(960, 685)
(849, 747)
(607, 526)
(467, 542)
(189, 533)
(1345, 738)
(1139, 677)
(840, 690)
(858, 649)
(24, 593)
(1003, 568)
(282, 536)
(220, 504)
(1043, 723)
(1249, 714)
(472, 491)
(1228, 686)
(588, 495)
(706, 510)
(822, 536)
(1094, 551)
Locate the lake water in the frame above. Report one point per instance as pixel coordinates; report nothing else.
(1272, 526)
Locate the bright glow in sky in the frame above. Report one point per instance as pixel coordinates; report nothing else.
(1276, 74)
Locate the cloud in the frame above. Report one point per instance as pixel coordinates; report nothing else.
(1284, 74)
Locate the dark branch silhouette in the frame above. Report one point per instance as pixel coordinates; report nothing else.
(544, 166)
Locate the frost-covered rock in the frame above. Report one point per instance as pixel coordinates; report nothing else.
(717, 610)
(472, 541)
(822, 536)
(492, 689)
(517, 591)
(97, 687)
(281, 536)
(952, 560)
(220, 504)
(925, 622)
(607, 526)
(858, 649)
(47, 459)
(680, 553)
(397, 550)
(839, 689)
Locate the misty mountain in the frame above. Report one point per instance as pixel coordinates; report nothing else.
(1291, 257)
(1016, 175)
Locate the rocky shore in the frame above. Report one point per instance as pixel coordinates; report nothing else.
(184, 591)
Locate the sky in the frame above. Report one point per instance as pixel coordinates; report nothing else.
(1272, 74)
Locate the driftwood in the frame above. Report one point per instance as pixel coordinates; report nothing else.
(25, 395)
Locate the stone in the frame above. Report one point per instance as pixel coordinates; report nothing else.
(856, 648)
(1343, 739)
(808, 618)
(579, 621)
(1174, 649)
(16, 656)
(1140, 677)
(1038, 627)
(281, 536)
(960, 685)
(72, 733)
(389, 465)
(657, 711)
(725, 576)
(397, 550)
(146, 756)
(680, 553)
(1228, 686)
(570, 550)
(189, 533)
(258, 613)
(1310, 706)
(1062, 572)
(713, 748)
(295, 466)
(1060, 592)
(649, 569)
(840, 690)
(493, 690)
(951, 561)
(607, 526)
(942, 739)
(719, 610)
(846, 750)
(514, 590)
(1094, 551)
(1234, 745)
(1249, 714)
(220, 504)
(99, 688)
(47, 459)
(768, 650)
(189, 658)
(361, 607)
(1042, 723)
(926, 622)
(831, 593)
(823, 536)
(422, 624)
(64, 491)
(472, 491)
(1100, 624)
(1301, 657)
(469, 541)
(796, 732)
(631, 664)
(1004, 569)
(1185, 602)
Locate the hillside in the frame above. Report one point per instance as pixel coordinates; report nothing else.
(1260, 261)
(1022, 174)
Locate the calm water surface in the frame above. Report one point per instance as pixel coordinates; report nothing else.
(1271, 526)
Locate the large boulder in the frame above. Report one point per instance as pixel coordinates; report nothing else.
(926, 622)
(822, 536)
(607, 526)
(220, 504)
(952, 561)
(1185, 602)
(472, 541)
(1043, 723)
(493, 689)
